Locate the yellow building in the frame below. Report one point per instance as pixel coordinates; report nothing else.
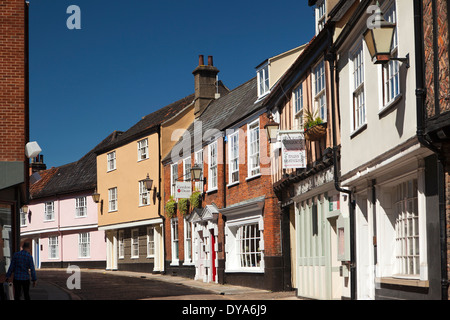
(130, 210)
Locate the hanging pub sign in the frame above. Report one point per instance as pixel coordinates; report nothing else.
(293, 152)
(183, 189)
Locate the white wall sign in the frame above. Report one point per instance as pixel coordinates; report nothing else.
(293, 150)
(183, 189)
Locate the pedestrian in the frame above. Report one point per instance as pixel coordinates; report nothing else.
(21, 266)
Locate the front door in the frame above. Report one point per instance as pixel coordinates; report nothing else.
(213, 255)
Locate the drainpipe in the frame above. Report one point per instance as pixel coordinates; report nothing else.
(163, 231)
(331, 58)
(420, 110)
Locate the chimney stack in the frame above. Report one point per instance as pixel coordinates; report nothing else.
(205, 78)
(37, 164)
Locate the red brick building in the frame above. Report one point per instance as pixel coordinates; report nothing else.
(13, 124)
(234, 237)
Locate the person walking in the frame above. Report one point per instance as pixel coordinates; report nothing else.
(21, 266)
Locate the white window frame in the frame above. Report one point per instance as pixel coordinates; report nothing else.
(187, 169)
(358, 88)
(212, 166)
(237, 260)
(188, 242)
(233, 163)
(112, 199)
(81, 207)
(319, 89)
(134, 243)
(150, 242)
(53, 247)
(198, 185)
(253, 149)
(23, 218)
(49, 211)
(144, 194)
(111, 161)
(142, 146)
(263, 80)
(298, 107)
(320, 13)
(121, 244)
(173, 178)
(84, 245)
(407, 230)
(391, 88)
(174, 240)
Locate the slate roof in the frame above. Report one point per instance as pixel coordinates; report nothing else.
(226, 111)
(77, 176)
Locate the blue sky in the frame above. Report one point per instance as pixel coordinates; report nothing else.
(132, 57)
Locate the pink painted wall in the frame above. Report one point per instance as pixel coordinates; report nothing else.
(67, 227)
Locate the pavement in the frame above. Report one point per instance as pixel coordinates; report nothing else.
(47, 289)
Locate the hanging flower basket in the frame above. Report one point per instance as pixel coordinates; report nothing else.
(183, 206)
(316, 132)
(171, 207)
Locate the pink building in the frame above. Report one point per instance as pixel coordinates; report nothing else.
(61, 222)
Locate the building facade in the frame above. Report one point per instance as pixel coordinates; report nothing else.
(305, 168)
(14, 124)
(233, 234)
(61, 222)
(391, 174)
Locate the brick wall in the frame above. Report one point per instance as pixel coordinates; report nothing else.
(440, 59)
(256, 187)
(13, 113)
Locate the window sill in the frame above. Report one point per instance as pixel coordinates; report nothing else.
(112, 211)
(232, 184)
(140, 160)
(404, 282)
(358, 130)
(387, 108)
(212, 190)
(111, 170)
(253, 177)
(256, 270)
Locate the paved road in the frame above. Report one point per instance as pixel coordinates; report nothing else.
(119, 285)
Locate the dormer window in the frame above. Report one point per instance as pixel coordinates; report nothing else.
(263, 80)
(320, 15)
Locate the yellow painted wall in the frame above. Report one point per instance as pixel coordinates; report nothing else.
(129, 171)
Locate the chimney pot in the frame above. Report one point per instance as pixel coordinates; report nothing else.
(210, 60)
(201, 61)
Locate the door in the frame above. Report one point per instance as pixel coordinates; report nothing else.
(364, 251)
(313, 272)
(213, 255)
(201, 272)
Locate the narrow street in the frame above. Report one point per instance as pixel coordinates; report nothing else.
(117, 285)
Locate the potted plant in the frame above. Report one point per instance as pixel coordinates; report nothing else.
(196, 199)
(314, 126)
(171, 207)
(183, 206)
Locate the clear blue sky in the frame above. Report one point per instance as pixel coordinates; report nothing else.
(132, 57)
